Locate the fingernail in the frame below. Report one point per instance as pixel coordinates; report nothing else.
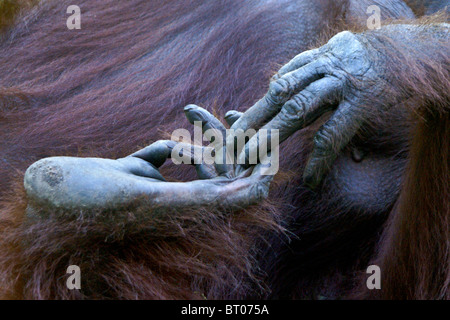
(230, 114)
(190, 107)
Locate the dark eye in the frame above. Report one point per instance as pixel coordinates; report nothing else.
(358, 154)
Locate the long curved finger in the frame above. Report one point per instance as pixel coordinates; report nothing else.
(331, 138)
(158, 152)
(298, 61)
(280, 91)
(209, 122)
(303, 109)
(306, 107)
(223, 160)
(141, 168)
(232, 116)
(193, 154)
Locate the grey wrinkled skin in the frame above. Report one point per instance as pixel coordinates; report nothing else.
(342, 76)
(95, 183)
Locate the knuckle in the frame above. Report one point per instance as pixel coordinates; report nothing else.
(301, 101)
(323, 140)
(160, 145)
(294, 108)
(342, 39)
(279, 89)
(231, 113)
(285, 69)
(277, 75)
(297, 107)
(286, 115)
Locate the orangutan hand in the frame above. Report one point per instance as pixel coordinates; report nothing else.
(339, 76)
(96, 183)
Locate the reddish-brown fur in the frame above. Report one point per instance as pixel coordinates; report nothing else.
(414, 251)
(74, 93)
